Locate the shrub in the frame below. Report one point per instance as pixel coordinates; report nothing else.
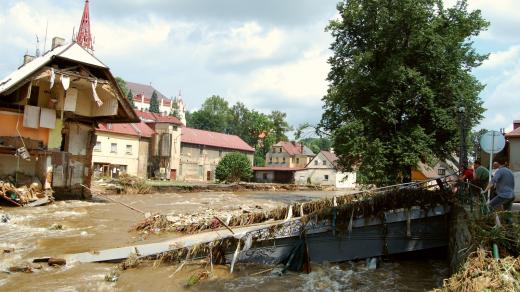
(234, 167)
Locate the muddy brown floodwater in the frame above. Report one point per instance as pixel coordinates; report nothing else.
(88, 226)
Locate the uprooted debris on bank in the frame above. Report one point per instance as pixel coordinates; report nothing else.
(30, 193)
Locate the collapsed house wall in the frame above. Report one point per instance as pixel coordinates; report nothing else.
(49, 109)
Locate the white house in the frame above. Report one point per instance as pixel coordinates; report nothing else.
(323, 170)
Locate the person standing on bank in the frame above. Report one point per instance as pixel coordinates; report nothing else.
(504, 183)
(481, 175)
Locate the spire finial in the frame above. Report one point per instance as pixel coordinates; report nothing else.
(84, 38)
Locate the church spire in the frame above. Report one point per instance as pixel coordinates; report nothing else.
(84, 38)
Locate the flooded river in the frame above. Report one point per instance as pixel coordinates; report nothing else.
(90, 226)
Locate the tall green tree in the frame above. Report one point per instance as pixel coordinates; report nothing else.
(280, 125)
(122, 85)
(130, 97)
(154, 103)
(400, 70)
(214, 115)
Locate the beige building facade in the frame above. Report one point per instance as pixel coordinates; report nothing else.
(288, 154)
(201, 151)
(122, 148)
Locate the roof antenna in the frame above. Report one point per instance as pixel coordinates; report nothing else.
(37, 46)
(45, 40)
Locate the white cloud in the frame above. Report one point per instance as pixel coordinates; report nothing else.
(509, 57)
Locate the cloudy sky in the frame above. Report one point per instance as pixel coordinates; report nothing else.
(267, 54)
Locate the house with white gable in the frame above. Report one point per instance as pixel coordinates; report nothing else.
(323, 170)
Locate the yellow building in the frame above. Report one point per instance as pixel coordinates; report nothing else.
(122, 148)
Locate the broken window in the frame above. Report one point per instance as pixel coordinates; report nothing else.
(97, 147)
(113, 147)
(128, 149)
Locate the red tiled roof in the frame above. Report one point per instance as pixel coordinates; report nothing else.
(221, 140)
(135, 129)
(276, 168)
(158, 118)
(294, 148)
(514, 134)
(331, 157)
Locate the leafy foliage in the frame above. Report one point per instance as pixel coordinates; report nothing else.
(255, 128)
(214, 115)
(122, 85)
(130, 97)
(399, 72)
(234, 167)
(280, 125)
(154, 103)
(317, 144)
(175, 110)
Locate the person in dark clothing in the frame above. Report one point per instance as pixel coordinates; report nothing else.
(504, 183)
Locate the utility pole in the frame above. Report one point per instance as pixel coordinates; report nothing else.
(463, 155)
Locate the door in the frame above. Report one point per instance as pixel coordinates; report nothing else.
(208, 174)
(173, 174)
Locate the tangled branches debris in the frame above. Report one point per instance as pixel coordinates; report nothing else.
(482, 272)
(365, 203)
(507, 236)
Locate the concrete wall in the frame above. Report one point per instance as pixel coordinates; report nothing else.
(197, 160)
(121, 157)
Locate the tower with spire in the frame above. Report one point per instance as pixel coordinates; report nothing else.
(84, 38)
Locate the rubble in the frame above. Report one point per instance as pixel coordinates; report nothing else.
(29, 193)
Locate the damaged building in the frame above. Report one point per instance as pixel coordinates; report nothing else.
(49, 110)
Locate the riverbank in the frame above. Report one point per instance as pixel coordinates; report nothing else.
(134, 185)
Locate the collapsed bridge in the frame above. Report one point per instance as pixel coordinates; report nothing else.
(366, 224)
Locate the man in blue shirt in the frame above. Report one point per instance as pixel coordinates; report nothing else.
(504, 183)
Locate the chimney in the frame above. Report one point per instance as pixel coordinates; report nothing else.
(56, 42)
(27, 58)
(516, 124)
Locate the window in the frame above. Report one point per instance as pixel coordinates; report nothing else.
(324, 162)
(297, 160)
(220, 153)
(326, 177)
(265, 176)
(441, 171)
(98, 146)
(283, 160)
(271, 159)
(201, 149)
(315, 162)
(113, 147)
(280, 149)
(128, 149)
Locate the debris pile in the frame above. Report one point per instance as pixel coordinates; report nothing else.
(30, 194)
(191, 222)
(125, 183)
(359, 204)
(482, 272)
